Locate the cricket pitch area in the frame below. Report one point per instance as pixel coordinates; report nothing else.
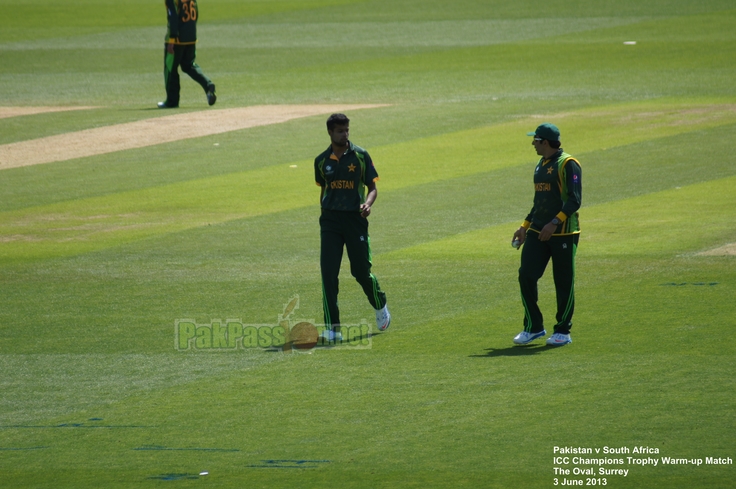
(147, 132)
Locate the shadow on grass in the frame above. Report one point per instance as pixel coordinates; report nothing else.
(346, 343)
(515, 351)
(328, 345)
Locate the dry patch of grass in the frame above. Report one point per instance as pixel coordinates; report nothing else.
(6, 112)
(726, 250)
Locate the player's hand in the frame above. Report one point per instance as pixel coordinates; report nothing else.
(547, 231)
(170, 48)
(520, 235)
(365, 210)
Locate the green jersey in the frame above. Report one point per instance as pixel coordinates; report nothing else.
(182, 21)
(557, 193)
(344, 180)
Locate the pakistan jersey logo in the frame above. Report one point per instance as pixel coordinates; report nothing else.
(329, 170)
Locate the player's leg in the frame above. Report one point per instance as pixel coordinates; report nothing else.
(535, 255)
(191, 68)
(331, 248)
(358, 245)
(564, 249)
(171, 76)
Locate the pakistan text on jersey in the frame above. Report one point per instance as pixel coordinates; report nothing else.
(347, 184)
(542, 187)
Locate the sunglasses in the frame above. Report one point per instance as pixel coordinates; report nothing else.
(538, 139)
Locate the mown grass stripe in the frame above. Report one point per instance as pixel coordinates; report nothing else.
(85, 225)
(647, 224)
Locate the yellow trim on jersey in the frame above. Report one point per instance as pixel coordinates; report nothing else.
(556, 234)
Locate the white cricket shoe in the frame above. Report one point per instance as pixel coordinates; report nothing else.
(523, 338)
(383, 318)
(559, 339)
(329, 336)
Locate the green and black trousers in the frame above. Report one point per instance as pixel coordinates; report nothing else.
(345, 230)
(183, 56)
(535, 256)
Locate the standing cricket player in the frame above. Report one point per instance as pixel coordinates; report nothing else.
(551, 230)
(344, 172)
(180, 50)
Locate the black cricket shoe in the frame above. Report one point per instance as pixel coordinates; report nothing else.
(211, 95)
(166, 105)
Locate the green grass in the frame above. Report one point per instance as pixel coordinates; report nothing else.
(100, 256)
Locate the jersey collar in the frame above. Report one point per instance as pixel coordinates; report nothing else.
(351, 148)
(554, 157)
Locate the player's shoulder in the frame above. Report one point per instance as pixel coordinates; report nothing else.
(567, 158)
(323, 155)
(359, 150)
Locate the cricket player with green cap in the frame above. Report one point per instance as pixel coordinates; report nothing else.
(344, 171)
(550, 231)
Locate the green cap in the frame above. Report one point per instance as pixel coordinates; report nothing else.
(546, 131)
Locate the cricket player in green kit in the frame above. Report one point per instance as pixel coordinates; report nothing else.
(180, 50)
(344, 172)
(551, 230)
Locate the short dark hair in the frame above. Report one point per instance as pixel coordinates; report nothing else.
(337, 120)
(554, 144)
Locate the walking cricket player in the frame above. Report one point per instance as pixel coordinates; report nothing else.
(551, 230)
(180, 50)
(344, 172)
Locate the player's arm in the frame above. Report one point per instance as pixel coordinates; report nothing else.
(365, 207)
(173, 18)
(319, 178)
(520, 233)
(369, 177)
(571, 175)
(573, 178)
